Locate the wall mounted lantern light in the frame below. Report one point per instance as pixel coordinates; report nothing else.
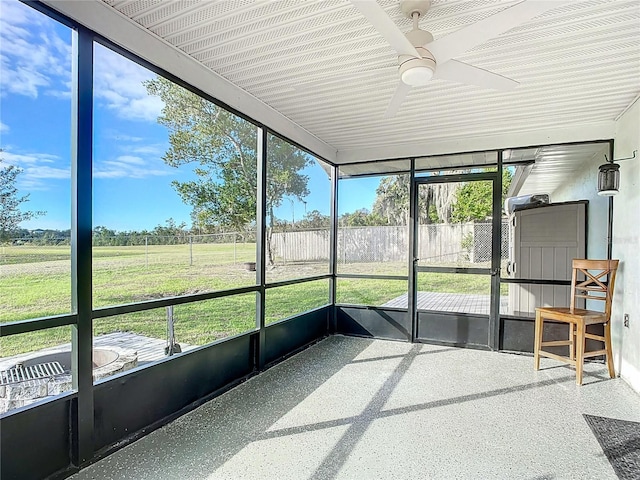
(609, 177)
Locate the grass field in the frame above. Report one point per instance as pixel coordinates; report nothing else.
(35, 282)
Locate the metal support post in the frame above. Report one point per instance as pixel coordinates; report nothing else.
(496, 258)
(261, 243)
(333, 249)
(413, 253)
(81, 256)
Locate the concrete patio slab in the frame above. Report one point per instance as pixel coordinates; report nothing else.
(353, 408)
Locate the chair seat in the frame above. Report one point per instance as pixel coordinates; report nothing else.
(588, 317)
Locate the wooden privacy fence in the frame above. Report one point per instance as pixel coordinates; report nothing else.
(301, 246)
(445, 242)
(437, 242)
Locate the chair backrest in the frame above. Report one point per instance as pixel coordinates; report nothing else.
(594, 286)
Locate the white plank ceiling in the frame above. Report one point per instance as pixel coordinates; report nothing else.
(324, 67)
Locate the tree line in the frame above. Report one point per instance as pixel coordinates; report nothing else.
(171, 233)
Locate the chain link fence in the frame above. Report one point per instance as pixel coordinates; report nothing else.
(479, 245)
(438, 243)
(234, 247)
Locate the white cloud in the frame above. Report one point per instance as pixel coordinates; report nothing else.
(118, 86)
(154, 150)
(62, 94)
(131, 160)
(46, 172)
(37, 169)
(38, 178)
(4, 128)
(34, 58)
(20, 80)
(121, 137)
(128, 166)
(27, 159)
(131, 157)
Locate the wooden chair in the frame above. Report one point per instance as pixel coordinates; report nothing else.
(592, 287)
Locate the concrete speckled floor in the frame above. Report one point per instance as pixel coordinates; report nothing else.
(351, 408)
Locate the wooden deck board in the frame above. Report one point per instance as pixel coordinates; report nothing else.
(149, 349)
(449, 302)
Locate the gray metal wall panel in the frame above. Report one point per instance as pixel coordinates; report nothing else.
(285, 337)
(130, 403)
(458, 329)
(516, 335)
(374, 322)
(35, 442)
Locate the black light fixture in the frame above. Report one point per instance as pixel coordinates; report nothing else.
(608, 179)
(609, 176)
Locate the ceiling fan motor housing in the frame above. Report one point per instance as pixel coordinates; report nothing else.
(417, 71)
(409, 7)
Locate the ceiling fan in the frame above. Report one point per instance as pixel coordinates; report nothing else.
(422, 58)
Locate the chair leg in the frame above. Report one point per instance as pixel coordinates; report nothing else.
(572, 339)
(537, 340)
(579, 352)
(607, 346)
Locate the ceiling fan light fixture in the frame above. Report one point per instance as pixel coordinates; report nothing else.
(417, 72)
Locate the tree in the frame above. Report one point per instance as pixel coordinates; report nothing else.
(314, 220)
(392, 201)
(443, 197)
(474, 199)
(361, 218)
(171, 229)
(223, 147)
(441, 202)
(103, 236)
(10, 213)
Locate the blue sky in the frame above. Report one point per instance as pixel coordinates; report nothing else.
(132, 185)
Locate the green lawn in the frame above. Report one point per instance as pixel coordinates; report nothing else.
(369, 291)
(36, 282)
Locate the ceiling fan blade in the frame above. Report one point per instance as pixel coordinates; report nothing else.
(396, 101)
(468, 74)
(466, 38)
(389, 30)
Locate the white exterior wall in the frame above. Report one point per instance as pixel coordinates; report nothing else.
(584, 186)
(626, 247)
